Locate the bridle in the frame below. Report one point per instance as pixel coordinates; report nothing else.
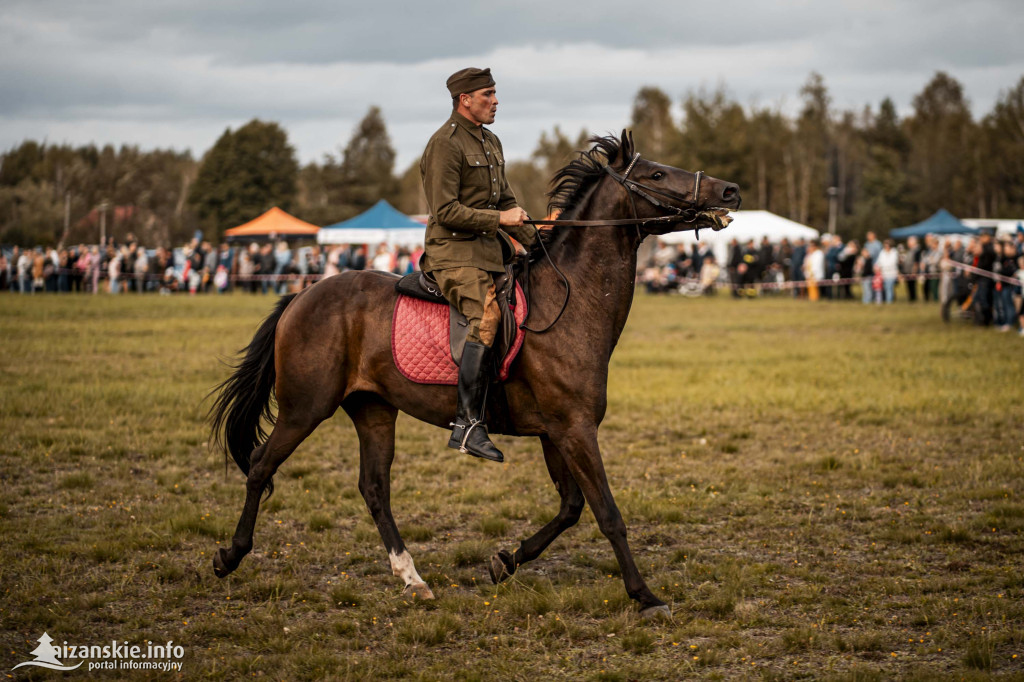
(685, 215)
(679, 214)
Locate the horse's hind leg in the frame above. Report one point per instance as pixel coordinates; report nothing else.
(375, 424)
(288, 432)
(504, 563)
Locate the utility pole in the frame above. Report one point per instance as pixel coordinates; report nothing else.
(67, 220)
(104, 205)
(833, 204)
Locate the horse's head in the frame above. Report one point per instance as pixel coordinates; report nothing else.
(656, 190)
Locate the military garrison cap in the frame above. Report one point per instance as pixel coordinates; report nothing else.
(469, 80)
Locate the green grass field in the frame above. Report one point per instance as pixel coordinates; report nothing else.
(826, 491)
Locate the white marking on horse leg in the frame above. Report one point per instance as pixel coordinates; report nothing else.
(402, 566)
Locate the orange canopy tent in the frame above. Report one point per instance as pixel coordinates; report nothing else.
(273, 222)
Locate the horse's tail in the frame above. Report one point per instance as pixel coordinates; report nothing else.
(246, 397)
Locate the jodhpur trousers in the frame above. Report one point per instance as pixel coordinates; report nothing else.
(471, 291)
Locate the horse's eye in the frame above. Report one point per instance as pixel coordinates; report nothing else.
(658, 175)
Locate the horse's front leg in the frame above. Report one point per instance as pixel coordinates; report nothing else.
(504, 563)
(578, 444)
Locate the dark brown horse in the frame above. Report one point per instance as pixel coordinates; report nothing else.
(330, 346)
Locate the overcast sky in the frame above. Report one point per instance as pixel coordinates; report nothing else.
(176, 74)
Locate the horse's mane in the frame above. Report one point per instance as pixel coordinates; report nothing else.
(570, 184)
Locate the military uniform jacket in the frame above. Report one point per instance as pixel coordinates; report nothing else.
(463, 170)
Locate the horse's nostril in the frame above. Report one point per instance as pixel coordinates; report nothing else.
(730, 192)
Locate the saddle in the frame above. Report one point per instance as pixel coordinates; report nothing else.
(421, 285)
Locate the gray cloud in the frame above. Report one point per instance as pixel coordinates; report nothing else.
(324, 31)
(179, 72)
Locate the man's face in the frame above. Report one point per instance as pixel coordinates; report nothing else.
(481, 105)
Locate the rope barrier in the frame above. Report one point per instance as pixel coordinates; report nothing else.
(984, 273)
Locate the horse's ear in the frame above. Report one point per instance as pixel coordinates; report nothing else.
(625, 147)
(622, 155)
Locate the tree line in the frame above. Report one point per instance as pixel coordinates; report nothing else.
(859, 170)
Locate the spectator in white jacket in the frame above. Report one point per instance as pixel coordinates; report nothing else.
(814, 268)
(888, 263)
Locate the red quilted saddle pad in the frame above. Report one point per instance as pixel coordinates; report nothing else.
(421, 345)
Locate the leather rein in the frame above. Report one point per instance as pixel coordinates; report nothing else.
(646, 192)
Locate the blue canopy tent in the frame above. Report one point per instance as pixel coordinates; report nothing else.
(382, 222)
(943, 222)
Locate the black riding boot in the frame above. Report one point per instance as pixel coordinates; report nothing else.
(469, 433)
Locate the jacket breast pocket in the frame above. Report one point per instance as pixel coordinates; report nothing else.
(476, 188)
(477, 161)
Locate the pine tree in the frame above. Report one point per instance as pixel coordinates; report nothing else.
(411, 198)
(942, 152)
(654, 132)
(368, 164)
(245, 173)
(884, 200)
(811, 150)
(715, 137)
(1003, 150)
(769, 134)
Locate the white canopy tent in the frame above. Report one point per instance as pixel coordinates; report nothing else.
(1004, 227)
(746, 225)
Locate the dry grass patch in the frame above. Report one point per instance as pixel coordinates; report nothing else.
(821, 492)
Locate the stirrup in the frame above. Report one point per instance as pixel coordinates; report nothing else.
(465, 435)
(461, 444)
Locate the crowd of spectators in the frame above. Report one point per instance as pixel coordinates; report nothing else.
(966, 274)
(197, 267)
(828, 268)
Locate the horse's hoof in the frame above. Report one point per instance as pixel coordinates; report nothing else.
(502, 566)
(659, 612)
(220, 564)
(419, 591)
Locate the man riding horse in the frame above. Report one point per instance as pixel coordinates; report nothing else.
(472, 212)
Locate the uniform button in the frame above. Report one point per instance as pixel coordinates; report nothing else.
(488, 153)
(494, 179)
(493, 193)
(490, 166)
(453, 125)
(453, 234)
